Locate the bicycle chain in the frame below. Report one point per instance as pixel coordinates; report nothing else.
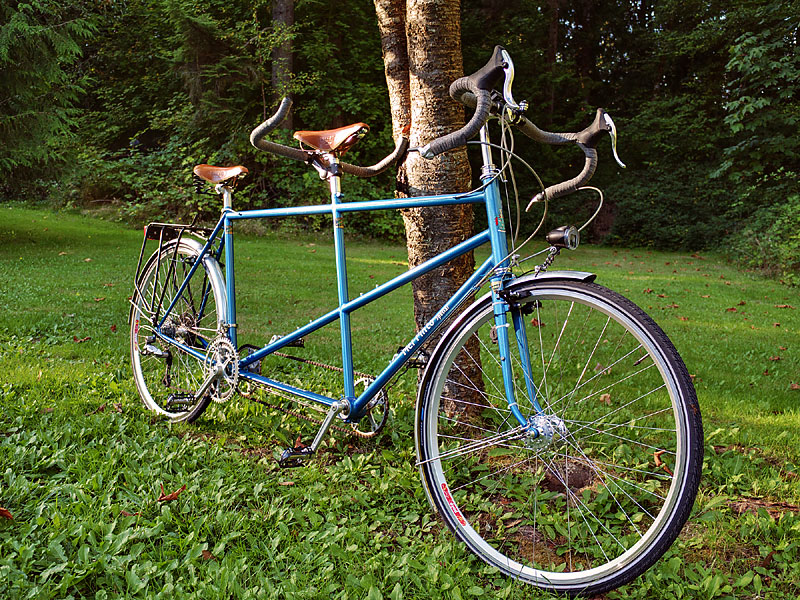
(304, 416)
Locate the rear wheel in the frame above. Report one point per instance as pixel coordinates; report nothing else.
(602, 491)
(168, 375)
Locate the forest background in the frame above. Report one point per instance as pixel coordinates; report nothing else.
(108, 104)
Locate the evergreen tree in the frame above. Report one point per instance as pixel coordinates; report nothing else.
(40, 78)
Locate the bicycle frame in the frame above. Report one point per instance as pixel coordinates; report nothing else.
(496, 267)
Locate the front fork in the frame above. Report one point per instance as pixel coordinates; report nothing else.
(502, 310)
(500, 302)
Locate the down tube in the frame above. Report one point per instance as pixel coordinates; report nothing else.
(469, 287)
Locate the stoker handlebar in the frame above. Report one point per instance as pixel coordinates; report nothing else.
(259, 133)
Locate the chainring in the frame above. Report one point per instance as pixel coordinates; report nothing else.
(376, 414)
(221, 351)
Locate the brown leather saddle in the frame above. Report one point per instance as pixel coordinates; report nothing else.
(218, 174)
(336, 141)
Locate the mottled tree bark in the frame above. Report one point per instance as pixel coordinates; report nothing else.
(552, 50)
(421, 41)
(282, 59)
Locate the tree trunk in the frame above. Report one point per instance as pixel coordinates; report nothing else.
(433, 33)
(552, 50)
(421, 41)
(282, 59)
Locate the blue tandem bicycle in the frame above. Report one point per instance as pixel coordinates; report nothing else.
(557, 430)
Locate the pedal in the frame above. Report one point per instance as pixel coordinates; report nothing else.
(245, 351)
(298, 343)
(295, 457)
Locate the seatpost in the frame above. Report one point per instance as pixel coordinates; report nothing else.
(227, 195)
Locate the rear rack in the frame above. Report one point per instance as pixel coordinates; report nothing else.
(163, 233)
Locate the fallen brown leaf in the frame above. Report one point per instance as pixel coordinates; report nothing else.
(113, 329)
(705, 295)
(78, 340)
(684, 318)
(731, 309)
(286, 483)
(87, 260)
(648, 291)
(537, 323)
(4, 512)
(125, 513)
(657, 457)
(100, 299)
(208, 556)
(781, 347)
(774, 358)
(794, 386)
(99, 409)
(170, 497)
(784, 306)
(741, 303)
(605, 399)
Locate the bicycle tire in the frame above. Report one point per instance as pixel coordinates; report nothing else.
(610, 490)
(167, 377)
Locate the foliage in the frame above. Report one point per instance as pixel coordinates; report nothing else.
(40, 42)
(770, 240)
(704, 94)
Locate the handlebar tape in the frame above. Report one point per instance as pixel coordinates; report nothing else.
(258, 134)
(399, 151)
(567, 187)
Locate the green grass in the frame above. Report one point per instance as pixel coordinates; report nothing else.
(78, 452)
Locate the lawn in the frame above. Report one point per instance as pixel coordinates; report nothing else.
(82, 464)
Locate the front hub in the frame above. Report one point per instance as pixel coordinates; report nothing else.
(543, 430)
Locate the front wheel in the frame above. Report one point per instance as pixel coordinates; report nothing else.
(169, 368)
(593, 486)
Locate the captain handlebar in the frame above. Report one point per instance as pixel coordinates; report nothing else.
(476, 91)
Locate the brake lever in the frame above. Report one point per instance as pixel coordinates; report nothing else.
(513, 109)
(612, 131)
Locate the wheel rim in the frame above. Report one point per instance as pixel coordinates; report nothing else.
(166, 376)
(600, 501)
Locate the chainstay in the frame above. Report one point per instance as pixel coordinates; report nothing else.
(303, 416)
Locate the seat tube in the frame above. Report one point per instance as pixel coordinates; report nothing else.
(230, 279)
(341, 279)
(502, 271)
